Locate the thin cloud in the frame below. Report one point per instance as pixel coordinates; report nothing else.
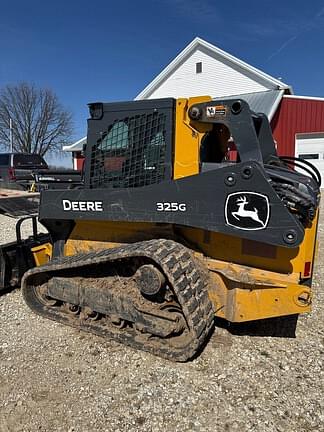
(201, 11)
(320, 13)
(270, 28)
(307, 26)
(283, 46)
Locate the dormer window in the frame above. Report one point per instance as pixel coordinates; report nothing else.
(198, 67)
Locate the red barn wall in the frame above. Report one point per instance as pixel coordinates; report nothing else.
(293, 116)
(78, 160)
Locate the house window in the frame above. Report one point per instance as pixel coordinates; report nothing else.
(198, 67)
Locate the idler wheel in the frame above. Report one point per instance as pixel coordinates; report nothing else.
(149, 279)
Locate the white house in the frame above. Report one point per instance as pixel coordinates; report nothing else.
(203, 69)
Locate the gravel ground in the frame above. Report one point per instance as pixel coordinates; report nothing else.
(54, 378)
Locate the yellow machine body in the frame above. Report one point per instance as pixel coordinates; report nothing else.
(248, 280)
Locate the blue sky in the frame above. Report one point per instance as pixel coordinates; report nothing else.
(108, 50)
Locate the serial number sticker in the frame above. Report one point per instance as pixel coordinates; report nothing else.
(212, 111)
(171, 206)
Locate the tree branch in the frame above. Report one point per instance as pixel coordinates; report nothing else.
(40, 123)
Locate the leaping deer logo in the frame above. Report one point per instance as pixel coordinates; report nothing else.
(242, 213)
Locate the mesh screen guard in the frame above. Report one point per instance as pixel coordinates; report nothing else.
(131, 151)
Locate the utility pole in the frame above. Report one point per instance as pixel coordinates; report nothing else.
(10, 134)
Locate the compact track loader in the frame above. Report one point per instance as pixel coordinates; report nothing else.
(167, 232)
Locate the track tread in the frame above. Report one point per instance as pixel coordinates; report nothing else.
(182, 271)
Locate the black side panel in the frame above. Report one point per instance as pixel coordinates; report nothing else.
(236, 200)
(129, 144)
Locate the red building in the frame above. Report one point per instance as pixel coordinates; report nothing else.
(298, 128)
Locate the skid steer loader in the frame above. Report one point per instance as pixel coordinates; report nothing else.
(166, 233)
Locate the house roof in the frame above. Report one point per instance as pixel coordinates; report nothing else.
(77, 146)
(315, 98)
(199, 43)
(265, 102)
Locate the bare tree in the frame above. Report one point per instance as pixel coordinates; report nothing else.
(39, 122)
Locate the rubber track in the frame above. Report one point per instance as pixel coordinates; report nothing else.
(183, 273)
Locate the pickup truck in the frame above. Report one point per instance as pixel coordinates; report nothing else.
(28, 171)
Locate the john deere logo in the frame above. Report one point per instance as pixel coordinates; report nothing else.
(247, 210)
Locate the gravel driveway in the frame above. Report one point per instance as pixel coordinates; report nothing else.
(54, 378)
